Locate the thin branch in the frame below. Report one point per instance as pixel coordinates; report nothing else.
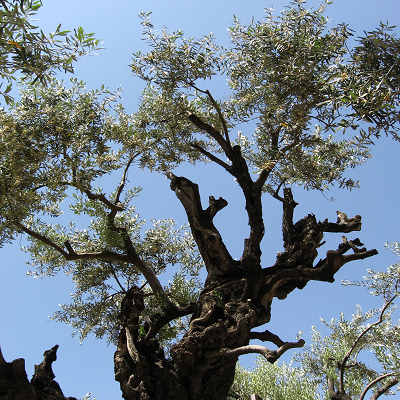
(43, 239)
(374, 382)
(103, 199)
(217, 108)
(364, 332)
(123, 180)
(214, 133)
(221, 117)
(131, 258)
(116, 278)
(211, 156)
(152, 280)
(266, 171)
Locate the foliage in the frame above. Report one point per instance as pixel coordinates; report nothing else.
(54, 144)
(289, 74)
(333, 363)
(36, 55)
(277, 381)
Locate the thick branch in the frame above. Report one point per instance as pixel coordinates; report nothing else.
(270, 355)
(216, 257)
(2, 360)
(267, 336)
(343, 224)
(289, 205)
(252, 193)
(280, 279)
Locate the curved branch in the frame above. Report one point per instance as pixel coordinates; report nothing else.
(124, 177)
(165, 316)
(382, 390)
(43, 239)
(131, 258)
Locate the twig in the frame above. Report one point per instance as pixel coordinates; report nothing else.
(365, 331)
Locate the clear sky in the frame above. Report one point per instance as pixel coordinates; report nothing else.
(25, 303)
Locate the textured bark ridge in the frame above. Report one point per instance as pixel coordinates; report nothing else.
(14, 384)
(236, 298)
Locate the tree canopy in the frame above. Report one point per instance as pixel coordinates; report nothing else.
(29, 51)
(303, 89)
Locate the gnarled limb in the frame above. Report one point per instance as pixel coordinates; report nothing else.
(216, 257)
(267, 336)
(295, 267)
(270, 355)
(14, 383)
(343, 224)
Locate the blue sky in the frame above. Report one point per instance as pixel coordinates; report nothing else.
(25, 303)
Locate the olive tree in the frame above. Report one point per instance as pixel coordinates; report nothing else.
(294, 82)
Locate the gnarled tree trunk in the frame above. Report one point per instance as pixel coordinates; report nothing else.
(236, 298)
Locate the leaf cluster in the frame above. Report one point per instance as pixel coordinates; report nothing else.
(25, 48)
